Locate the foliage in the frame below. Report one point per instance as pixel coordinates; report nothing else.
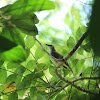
(26, 70)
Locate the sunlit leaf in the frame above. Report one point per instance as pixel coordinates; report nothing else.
(16, 54)
(70, 42)
(29, 41)
(39, 53)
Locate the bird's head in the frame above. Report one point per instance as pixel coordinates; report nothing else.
(51, 47)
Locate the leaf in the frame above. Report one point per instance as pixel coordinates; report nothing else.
(60, 97)
(14, 35)
(11, 78)
(39, 53)
(80, 50)
(33, 93)
(16, 54)
(13, 96)
(41, 65)
(1, 62)
(29, 41)
(78, 33)
(87, 47)
(6, 44)
(20, 70)
(12, 65)
(26, 23)
(3, 74)
(31, 64)
(9, 87)
(70, 42)
(27, 98)
(27, 6)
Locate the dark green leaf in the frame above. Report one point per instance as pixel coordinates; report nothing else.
(33, 93)
(14, 35)
(26, 24)
(1, 62)
(27, 98)
(87, 47)
(41, 65)
(13, 96)
(3, 74)
(6, 44)
(15, 54)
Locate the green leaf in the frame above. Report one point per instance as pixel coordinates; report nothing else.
(41, 65)
(29, 41)
(38, 75)
(11, 78)
(14, 35)
(33, 93)
(78, 33)
(6, 44)
(70, 42)
(3, 74)
(87, 47)
(13, 96)
(16, 54)
(27, 6)
(80, 50)
(1, 62)
(27, 98)
(39, 53)
(20, 70)
(51, 70)
(31, 64)
(12, 65)
(26, 23)
(40, 97)
(61, 97)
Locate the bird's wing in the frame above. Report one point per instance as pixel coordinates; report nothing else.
(56, 55)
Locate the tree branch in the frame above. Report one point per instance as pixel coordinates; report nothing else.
(71, 82)
(76, 46)
(41, 45)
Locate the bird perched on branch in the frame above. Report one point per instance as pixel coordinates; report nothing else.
(57, 56)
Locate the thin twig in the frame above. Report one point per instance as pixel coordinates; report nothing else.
(41, 45)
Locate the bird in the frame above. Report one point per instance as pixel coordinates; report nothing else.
(56, 56)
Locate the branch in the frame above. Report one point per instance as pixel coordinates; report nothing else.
(79, 42)
(84, 78)
(71, 82)
(41, 45)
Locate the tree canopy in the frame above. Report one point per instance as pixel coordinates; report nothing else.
(26, 71)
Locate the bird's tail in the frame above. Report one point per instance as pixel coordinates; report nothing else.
(65, 65)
